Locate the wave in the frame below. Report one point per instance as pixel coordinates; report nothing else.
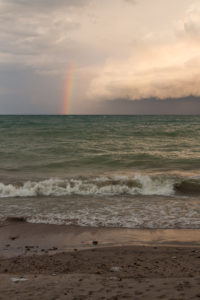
(116, 185)
(190, 186)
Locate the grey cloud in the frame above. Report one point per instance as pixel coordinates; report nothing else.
(47, 4)
(131, 1)
(192, 28)
(27, 92)
(36, 39)
(189, 26)
(152, 106)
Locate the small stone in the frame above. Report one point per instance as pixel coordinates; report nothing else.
(18, 279)
(13, 238)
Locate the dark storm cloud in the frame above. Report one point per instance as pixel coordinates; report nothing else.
(152, 106)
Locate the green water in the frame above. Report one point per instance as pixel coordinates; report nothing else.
(121, 171)
(65, 145)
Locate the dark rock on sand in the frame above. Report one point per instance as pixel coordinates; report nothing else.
(16, 219)
(12, 238)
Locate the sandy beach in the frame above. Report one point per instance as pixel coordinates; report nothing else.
(69, 262)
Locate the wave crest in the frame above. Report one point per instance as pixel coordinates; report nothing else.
(118, 185)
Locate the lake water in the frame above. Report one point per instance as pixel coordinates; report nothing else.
(120, 171)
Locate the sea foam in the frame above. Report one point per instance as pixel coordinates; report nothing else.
(116, 185)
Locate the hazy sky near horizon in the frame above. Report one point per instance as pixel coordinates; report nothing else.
(120, 50)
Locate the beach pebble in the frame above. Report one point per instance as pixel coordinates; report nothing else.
(18, 279)
(115, 269)
(13, 238)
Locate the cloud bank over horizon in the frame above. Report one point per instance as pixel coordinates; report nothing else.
(120, 49)
(156, 67)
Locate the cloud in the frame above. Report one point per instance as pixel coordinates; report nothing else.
(47, 35)
(130, 1)
(156, 68)
(189, 26)
(33, 37)
(137, 57)
(177, 106)
(46, 4)
(3, 91)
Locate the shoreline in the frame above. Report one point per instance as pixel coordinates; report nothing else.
(70, 262)
(18, 237)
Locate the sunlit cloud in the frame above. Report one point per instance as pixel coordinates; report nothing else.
(157, 68)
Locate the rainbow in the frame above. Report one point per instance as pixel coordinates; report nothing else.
(68, 89)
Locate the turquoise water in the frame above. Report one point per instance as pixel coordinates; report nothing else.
(135, 171)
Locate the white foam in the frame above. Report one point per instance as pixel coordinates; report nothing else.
(140, 184)
(116, 211)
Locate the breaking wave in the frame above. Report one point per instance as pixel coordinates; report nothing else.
(116, 185)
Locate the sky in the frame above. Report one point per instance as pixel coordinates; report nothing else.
(99, 56)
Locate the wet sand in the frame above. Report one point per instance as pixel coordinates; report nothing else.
(65, 262)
